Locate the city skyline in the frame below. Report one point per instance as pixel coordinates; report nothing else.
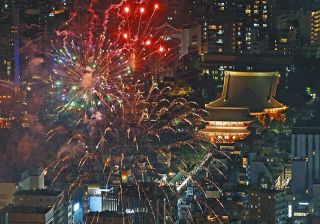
(157, 111)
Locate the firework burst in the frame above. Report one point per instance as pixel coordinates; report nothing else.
(107, 76)
(93, 66)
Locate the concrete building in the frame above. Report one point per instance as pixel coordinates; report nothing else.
(28, 215)
(243, 27)
(107, 217)
(32, 179)
(310, 26)
(267, 206)
(186, 36)
(300, 210)
(253, 27)
(136, 207)
(7, 191)
(36, 198)
(299, 178)
(315, 201)
(305, 150)
(219, 30)
(215, 65)
(42, 199)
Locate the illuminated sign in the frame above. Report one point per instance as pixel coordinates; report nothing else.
(76, 207)
(303, 203)
(129, 211)
(289, 211)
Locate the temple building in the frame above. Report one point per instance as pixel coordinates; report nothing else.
(245, 95)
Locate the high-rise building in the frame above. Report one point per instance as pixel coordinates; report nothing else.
(7, 191)
(310, 26)
(243, 26)
(27, 215)
(32, 179)
(267, 206)
(139, 209)
(36, 198)
(10, 42)
(21, 22)
(62, 211)
(253, 26)
(305, 150)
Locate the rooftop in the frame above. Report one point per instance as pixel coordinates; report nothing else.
(311, 126)
(27, 210)
(39, 192)
(228, 114)
(152, 190)
(105, 214)
(252, 90)
(32, 172)
(248, 59)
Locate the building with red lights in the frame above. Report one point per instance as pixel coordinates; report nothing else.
(245, 95)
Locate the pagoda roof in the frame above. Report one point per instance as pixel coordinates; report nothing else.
(252, 90)
(225, 131)
(232, 114)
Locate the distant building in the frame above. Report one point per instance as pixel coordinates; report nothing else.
(11, 108)
(28, 215)
(243, 27)
(36, 198)
(185, 210)
(310, 25)
(146, 205)
(299, 184)
(32, 179)
(243, 93)
(268, 172)
(233, 209)
(39, 201)
(305, 150)
(106, 217)
(7, 191)
(188, 37)
(299, 209)
(267, 206)
(315, 201)
(219, 34)
(215, 65)
(253, 26)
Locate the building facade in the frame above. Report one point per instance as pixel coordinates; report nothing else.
(243, 94)
(267, 206)
(305, 150)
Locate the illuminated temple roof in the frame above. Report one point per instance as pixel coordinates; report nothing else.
(252, 90)
(236, 114)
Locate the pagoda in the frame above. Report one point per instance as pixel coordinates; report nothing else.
(245, 95)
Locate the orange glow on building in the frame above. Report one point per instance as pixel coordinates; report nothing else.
(245, 95)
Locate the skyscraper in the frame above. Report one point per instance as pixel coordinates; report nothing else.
(10, 43)
(243, 26)
(253, 26)
(305, 150)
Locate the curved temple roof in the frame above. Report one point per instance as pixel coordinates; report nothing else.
(236, 114)
(254, 90)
